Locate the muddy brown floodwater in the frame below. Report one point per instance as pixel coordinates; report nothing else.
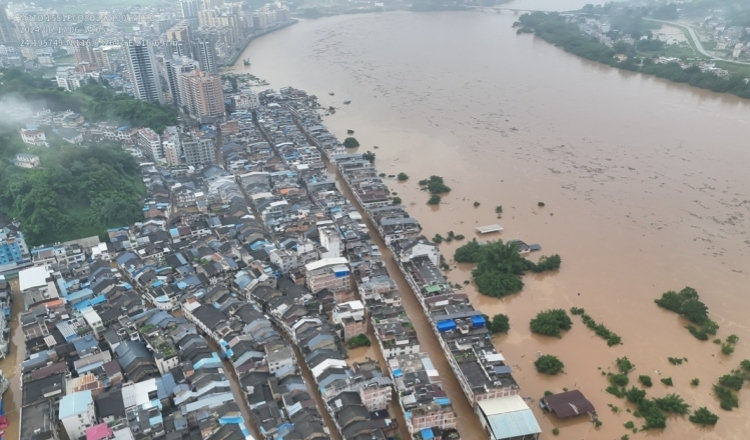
(644, 182)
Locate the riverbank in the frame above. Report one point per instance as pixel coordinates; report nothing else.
(233, 59)
(563, 31)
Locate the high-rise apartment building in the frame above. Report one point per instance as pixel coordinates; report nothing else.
(204, 97)
(103, 57)
(143, 73)
(189, 8)
(205, 52)
(175, 68)
(7, 30)
(178, 37)
(84, 53)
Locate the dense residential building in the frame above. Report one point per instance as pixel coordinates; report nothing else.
(199, 149)
(171, 146)
(329, 273)
(14, 253)
(77, 413)
(150, 143)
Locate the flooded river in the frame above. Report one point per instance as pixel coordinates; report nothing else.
(644, 182)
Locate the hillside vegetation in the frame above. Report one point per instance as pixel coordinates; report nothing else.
(93, 101)
(77, 192)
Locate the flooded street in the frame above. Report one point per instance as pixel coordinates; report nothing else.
(644, 184)
(11, 366)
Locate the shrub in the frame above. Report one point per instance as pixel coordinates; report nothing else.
(645, 380)
(672, 403)
(551, 322)
(635, 395)
(402, 177)
(397, 200)
(616, 391)
(540, 204)
(368, 156)
(476, 204)
(732, 339)
(555, 431)
(499, 324)
(745, 365)
(434, 200)
(727, 398)
(675, 361)
(548, 364)
(655, 418)
(434, 185)
(732, 381)
(498, 209)
(727, 349)
(360, 340)
(695, 382)
(618, 379)
(437, 238)
(351, 142)
(624, 364)
(702, 416)
(667, 381)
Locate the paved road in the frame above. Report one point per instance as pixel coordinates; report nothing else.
(697, 42)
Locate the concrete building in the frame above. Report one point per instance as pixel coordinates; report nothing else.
(178, 37)
(77, 413)
(142, 70)
(7, 30)
(204, 51)
(205, 99)
(103, 57)
(175, 68)
(329, 273)
(25, 160)
(508, 418)
(199, 150)
(37, 286)
(171, 146)
(13, 249)
(150, 143)
(84, 53)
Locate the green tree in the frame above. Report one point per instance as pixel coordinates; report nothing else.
(624, 364)
(361, 340)
(402, 177)
(635, 395)
(551, 322)
(468, 253)
(351, 142)
(548, 364)
(500, 324)
(672, 403)
(435, 185)
(702, 416)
